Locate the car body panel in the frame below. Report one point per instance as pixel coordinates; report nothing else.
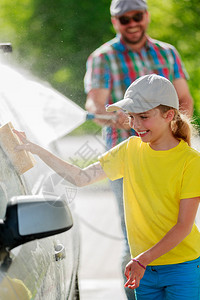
(35, 270)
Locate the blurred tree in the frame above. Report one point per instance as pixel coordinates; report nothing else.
(176, 22)
(53, 39)
(187, 34)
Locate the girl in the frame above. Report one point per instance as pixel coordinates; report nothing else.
(161, 190)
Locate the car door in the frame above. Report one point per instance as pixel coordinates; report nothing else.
(25, 266)
(66, 245)
(32, 270)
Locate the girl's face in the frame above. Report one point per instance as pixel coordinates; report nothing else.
(152, 126)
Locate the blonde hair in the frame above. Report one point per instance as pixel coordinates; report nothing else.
(181, 125)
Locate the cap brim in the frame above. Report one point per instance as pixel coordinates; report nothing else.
(129, 105)
(122, 104)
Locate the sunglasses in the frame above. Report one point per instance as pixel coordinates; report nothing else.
(124, 20)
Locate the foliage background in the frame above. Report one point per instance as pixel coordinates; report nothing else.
(52, 39)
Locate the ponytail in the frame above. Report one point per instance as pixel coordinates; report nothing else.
(180, 125)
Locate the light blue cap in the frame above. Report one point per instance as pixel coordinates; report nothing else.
(145, 93)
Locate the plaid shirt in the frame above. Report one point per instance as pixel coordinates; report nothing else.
(114, 66)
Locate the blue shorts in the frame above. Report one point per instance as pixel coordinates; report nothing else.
(171, 282)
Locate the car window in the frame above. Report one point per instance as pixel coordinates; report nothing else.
(10, 182)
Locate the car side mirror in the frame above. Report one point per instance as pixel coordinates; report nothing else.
(33, 217)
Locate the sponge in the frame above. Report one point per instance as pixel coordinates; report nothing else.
(22, 160)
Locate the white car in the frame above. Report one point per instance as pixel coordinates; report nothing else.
(39, 240)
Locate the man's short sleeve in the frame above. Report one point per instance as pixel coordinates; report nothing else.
(179, 68)
(112, 161)
(97, 72)
(191, 179)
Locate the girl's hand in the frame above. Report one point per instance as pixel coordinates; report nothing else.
(134, 273)
(26, 144)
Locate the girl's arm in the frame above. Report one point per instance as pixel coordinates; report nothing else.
(72, 173)
(186, 218)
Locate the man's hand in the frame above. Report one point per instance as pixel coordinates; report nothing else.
(95, 103)
(121, 121)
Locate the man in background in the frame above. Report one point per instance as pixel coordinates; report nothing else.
(116, 64)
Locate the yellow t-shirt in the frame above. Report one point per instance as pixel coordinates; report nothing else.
(154, 182)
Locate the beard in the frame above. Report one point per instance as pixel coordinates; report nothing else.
(135, 42)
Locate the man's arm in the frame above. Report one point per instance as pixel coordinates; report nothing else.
(185, 98)
(95, 103)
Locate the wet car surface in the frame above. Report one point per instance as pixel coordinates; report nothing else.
(39, 254)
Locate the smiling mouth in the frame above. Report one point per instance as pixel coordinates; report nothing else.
(133, 30)
(142, 133)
